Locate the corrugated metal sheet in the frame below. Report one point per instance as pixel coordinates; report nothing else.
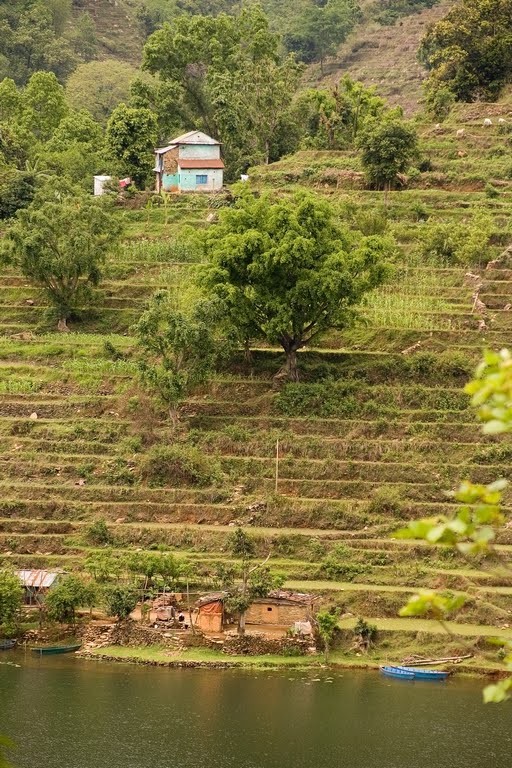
(37, 579)
(194, 137)
(201, 164)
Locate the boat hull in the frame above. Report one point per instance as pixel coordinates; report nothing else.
(396, 672)
(52, 650)
(413, 673)
(427, 674)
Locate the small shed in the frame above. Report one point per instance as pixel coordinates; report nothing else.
(189, 163)
(36, 584)
(282, 608)
(210, 612)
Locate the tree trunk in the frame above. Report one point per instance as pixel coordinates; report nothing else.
(291, 366)
(174, 415)
(267, 152)
(62, 325)
(247, 351)
(190, 610)
(241, 624)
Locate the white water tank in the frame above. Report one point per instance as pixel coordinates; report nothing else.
(99, 183)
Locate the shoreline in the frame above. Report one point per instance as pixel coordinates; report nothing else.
(139, 658)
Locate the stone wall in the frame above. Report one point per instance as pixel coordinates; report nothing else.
(130, 633)
(258, 645)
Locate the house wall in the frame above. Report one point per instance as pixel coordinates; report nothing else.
(270, 613)
(170, 175)
(199, 151)
(209, 620)
(171, 182)
(188, 179)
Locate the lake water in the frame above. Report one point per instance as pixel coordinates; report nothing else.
(67, 713)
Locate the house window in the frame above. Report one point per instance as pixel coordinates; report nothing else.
(269, 609)
(201, 178)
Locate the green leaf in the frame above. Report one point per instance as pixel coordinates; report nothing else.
(495, 694)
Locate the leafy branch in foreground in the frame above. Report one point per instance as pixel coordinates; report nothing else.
(472, 530)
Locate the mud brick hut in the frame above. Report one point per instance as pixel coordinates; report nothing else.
(279, 609)
(210, 612)
(282, 609)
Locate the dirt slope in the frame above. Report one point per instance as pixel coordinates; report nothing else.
(386, 58)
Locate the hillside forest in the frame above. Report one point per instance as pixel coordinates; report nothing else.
(287, 356)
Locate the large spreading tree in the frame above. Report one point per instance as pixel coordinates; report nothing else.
(60, 242)
(287, 271)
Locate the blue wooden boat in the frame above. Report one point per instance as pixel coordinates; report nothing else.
(399, 672)
(427, 674)
(51, 649)
(6, 645)
(414, 673)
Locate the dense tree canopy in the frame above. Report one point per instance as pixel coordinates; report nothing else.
(34, 37)
(130, 139)
(469, 50)
(11, 595)
(226, 76)
(388, 147)
(287, 271)
(321, 28)
(99, 86)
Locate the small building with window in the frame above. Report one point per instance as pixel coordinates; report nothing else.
(189, 163)
(280, 609)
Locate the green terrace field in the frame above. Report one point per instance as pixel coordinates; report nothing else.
(378, 431)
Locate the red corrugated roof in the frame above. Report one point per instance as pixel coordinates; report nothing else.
(200, 164)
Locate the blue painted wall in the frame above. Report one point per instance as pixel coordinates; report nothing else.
(200, 151)
(188, 179)
(170, 181)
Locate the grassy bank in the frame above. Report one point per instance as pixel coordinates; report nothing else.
(202, 657)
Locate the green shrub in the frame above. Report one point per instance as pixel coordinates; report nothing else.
(449, 243)
(366, 632)
(371, 222)
(386, 501)
(179, 465)
(491, 192)
(120, 472)
(454, 363)
(336, 567)
(99, 533)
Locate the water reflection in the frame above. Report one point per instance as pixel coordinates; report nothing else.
(70, 714)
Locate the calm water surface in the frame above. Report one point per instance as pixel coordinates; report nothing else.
(67, 713)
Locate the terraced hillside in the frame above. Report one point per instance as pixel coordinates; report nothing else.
(385, 57)
(118, 31)
(377, 432)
